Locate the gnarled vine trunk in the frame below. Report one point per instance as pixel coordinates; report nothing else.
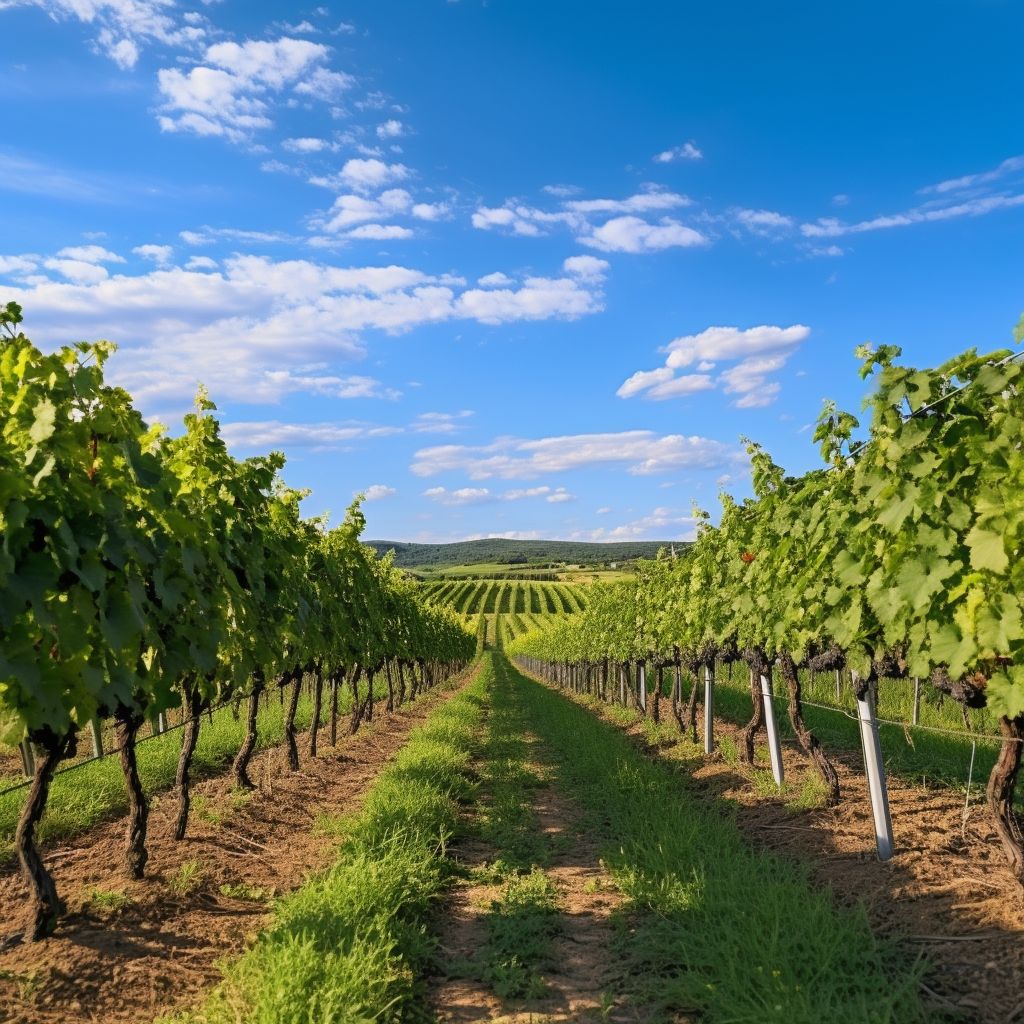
(659, 681)
(357, 706)
(245, 752)
(193, 706)
(758, 665)
(809, 743)
(289, 720)
(45, 907)
(391, 687)
(318, 694)
(401, 683)
(1001, 785)
(135, 853)
(337, 678)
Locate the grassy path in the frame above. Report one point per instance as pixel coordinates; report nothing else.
(527, 934)
(711, 928)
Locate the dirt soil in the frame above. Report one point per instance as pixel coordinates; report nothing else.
(158, 951)
(582, 964)
(947, 894)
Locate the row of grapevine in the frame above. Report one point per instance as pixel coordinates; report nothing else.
(899, 558)
(491, 597)
(140, 572)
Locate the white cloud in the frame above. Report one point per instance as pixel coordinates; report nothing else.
(717, 343)
(749, 377)
(78, 271)
(272, 435)
(462, 496)
(826, 250)
(349, 210)
(539, 298)
(642, 452)
(687, 384)
(124, 26)
(642, 380)
(364, 175)
(23, 264)
(376, 492)
(159, 254)
(632, 234)
(642, 202)
(380, 232)
(526, 492)
(687, 151)
(430, 211)
(763, 222)
(306, 144)
(201, 263)
(495, 280)
(257, 329)
(390, 129)
(440, 422)
(760, 351)
(228, 94)
(560, 495)
(90, 254)
(662, 524)
(586, 268)
(832, 227)
(1011, 165)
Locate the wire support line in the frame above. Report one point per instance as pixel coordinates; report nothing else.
(905, 726)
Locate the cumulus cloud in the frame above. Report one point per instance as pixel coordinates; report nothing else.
(228, 94)
(633, 234)
(273, 435)
(495, 280)
(376, 492)
(89, 254)
(307, 144)
(586, 268)
(364, 175)
(461, 496)
(757, 353)
(123, 27)
(258, 329)
(662, 524)
(642, 452)
(687, 151)
(380, 232)
(390, 129)
(159, 254)
(625, 232)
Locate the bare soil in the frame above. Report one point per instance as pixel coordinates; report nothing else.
(947, 894)
(158, 951)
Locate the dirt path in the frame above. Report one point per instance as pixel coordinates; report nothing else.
(580, 973)
(947, 893)
(130, 951)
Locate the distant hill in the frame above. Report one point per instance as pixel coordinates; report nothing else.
(517, 552)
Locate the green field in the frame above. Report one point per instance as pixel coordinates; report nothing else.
(499, 597)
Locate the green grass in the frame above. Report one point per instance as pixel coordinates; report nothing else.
(520, 928)
(347, 947)
(522, 922)
(710, 927)
(95, 791)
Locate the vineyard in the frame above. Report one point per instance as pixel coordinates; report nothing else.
(498, 597)
(256, 772)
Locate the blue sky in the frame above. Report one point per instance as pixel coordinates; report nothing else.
(514, 268)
